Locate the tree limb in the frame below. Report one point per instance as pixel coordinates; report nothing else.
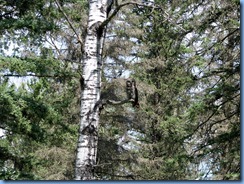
(51, 42)
(116, 10)
(30, 75)
(69, 22)
(120, 102)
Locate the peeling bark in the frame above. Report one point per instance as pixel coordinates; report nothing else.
(90, 94)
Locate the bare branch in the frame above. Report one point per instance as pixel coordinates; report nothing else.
(51, 42)
(69, 22)
(116, 10)
(120, 102)
(31, 75)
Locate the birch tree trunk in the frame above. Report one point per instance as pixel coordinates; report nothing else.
(90, 82)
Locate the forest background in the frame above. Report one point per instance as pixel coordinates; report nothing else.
(185, 59)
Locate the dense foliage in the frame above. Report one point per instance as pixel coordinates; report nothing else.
(185, 59)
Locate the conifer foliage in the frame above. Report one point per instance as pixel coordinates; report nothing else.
(184, 59)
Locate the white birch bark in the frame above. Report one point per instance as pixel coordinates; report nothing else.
(91, 73)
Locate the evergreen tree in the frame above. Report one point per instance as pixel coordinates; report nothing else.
(184, 60)
(39, 118)
(187, 65)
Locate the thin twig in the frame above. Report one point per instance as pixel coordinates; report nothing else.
(69, 22)
(51, 42)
